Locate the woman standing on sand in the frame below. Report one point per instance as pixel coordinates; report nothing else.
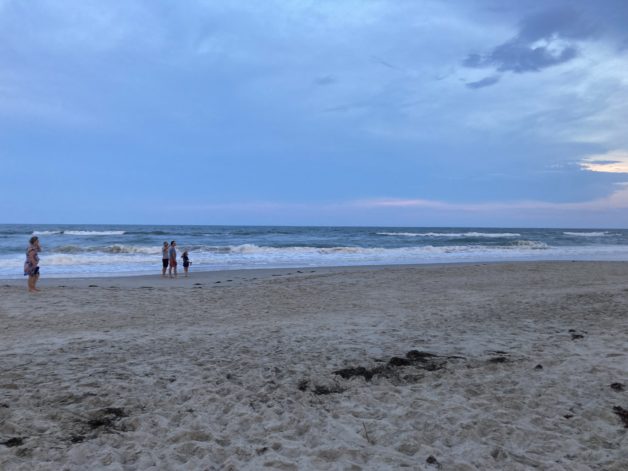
(31, 266)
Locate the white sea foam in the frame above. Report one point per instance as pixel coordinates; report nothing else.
(451, 234)
(586, 234)
(530, 244)
(252, 249)
(45, 233)
(110, 249)
(119, 259)
(130, 249)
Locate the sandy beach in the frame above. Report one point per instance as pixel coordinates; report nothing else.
(456, 367)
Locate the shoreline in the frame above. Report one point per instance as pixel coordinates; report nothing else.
(244, 273)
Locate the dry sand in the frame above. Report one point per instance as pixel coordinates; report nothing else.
(150, 373)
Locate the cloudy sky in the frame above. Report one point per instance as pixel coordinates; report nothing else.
(322, 112)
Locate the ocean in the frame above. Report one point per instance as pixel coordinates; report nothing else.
(108, 250)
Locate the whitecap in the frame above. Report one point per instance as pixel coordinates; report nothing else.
(93, 233)
(45, 233)
(586, 234)
(452, 234)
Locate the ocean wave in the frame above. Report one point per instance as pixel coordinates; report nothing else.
(130, 249)
(110, 249)
(79, 233)
(451, 234)
(586, 234)
(529, 244)
(252, 256)
(45, 233)
(148, 233)
(93, 233)
(261, 252)
(253, 249)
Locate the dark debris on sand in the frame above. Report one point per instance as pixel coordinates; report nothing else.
(324, 390)
(12, 442)
(106, 417)
(575, 335)
(319, 389)
(619, 387)
(102, 421)
(433, 461)
(498, 360)
(623, 414)
(348, 373)
(414, 358)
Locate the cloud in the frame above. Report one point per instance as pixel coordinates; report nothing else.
(385, 63)
(616, 200)
(485, 82)
(544, 40)
(615, 161)
(325, 80)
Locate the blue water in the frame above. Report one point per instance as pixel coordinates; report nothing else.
(101, 250)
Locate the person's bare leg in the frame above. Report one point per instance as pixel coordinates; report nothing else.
(32, 281)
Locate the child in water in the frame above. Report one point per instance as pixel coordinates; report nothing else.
(186, 262)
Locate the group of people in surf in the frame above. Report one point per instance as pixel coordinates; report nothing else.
(169, 259)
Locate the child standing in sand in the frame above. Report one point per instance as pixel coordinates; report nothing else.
(186, 262)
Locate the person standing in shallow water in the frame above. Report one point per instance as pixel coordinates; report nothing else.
(186, 262)
(165, 258)
(172, 259)
(31, 266)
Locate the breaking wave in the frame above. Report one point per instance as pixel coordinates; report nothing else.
(45, 233)
(451, 234)
(93, 233)
(79, 233)
(586, 234)
(110, 249)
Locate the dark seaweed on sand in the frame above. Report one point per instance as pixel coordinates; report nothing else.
(324, 390)
(106, 417)
(11, 442)
(415, 358)
(623, 414)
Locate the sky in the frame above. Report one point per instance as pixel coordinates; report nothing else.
(483, 113)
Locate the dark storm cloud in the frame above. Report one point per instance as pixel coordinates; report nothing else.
(485, 82)
(544, 39)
